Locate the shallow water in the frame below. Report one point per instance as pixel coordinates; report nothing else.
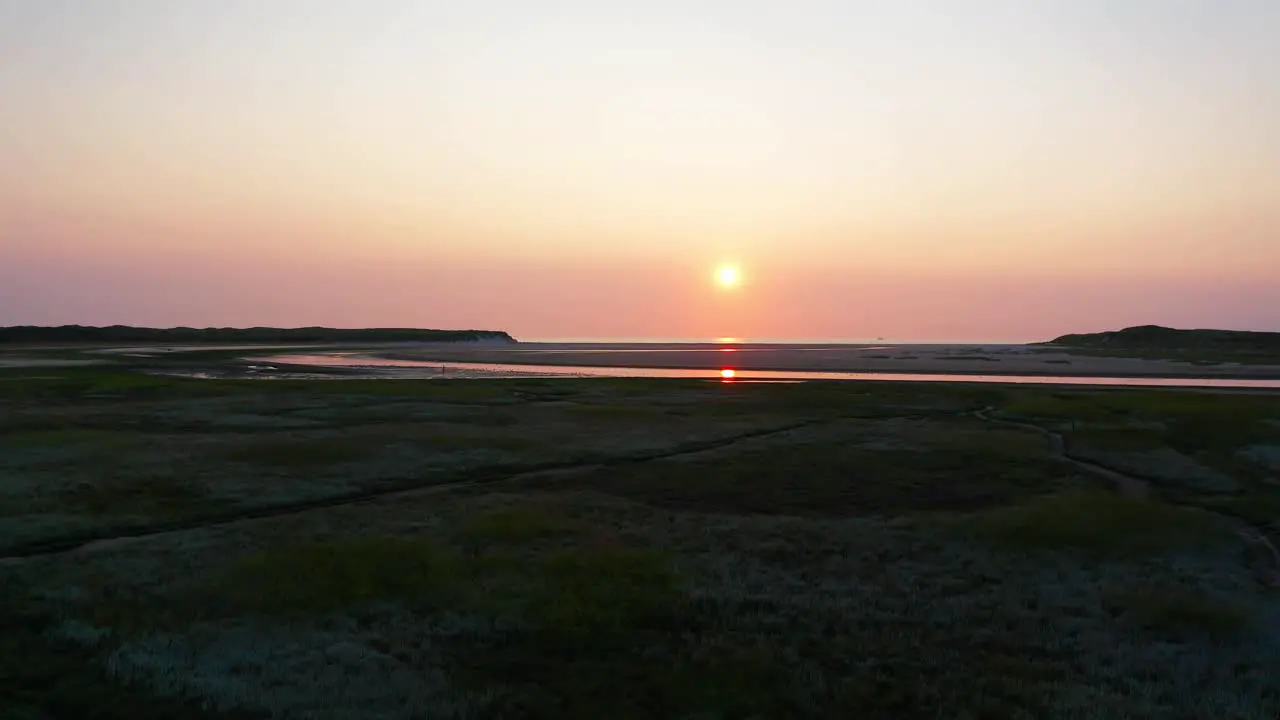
(409, 369)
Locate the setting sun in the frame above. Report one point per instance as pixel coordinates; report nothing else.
(727, 276)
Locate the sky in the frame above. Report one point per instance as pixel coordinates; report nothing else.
(927, 169)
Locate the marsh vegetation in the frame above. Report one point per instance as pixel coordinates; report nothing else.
(631, 549)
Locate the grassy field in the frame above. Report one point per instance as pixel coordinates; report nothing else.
(628, 548)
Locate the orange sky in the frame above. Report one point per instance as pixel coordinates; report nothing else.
(576, 169)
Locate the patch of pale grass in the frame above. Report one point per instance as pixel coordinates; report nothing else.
(1098, 522)
(780, 617)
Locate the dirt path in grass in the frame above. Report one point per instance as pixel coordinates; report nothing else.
(1125, 483)
(111, 538)
(1256, 537)
(121, 535)
(117, 536)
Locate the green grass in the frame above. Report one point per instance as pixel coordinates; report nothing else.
(573, 682)
(493, 392)
(787, 575)
(78, 444)
(1099, 523)
(295, 452)
(1208, 428)
(64, 436)
(1259, 506)
(1176, 611)
(42, 678)
(1223, 430)
(1061, 405)
(583, 593)
(571, 590)
(464, 439)
(324, 576)
(1095, 404)
(865, 619)
(864, 399)
(515, 525)
(1116, 438)
(836, 477)
(617, 412)
(146, 495)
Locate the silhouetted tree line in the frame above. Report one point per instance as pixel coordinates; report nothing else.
(125, 334)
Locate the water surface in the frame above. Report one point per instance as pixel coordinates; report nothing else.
(409, 369)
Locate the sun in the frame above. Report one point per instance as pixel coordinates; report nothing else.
(727, 276)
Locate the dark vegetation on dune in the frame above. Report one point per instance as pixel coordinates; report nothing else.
(1195, 345)
(126, 334)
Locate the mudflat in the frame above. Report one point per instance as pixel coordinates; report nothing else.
(930, 359)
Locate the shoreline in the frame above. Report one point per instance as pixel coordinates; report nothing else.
(957, 360)
(632, 359)
(355, 364)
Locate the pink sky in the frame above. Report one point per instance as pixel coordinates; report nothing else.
(577, 169)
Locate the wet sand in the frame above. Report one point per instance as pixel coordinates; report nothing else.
(915, 359)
